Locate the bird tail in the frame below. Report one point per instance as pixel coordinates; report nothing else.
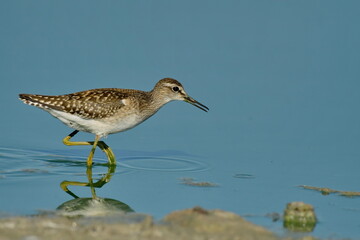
(32, 100)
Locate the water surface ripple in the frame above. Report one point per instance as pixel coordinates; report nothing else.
(24, 162)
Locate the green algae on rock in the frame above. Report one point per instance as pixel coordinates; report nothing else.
(299, 217)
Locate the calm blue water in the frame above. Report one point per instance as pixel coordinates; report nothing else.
(150, 182)
(281, 79)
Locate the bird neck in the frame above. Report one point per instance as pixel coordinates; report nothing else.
(158, 98)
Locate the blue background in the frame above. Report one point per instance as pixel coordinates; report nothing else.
(275, 70)
(281, 79)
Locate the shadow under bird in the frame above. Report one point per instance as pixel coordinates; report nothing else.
(106, 111)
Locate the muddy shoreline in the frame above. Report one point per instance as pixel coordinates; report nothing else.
(195, 223)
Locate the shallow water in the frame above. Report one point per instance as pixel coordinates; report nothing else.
(151, 182)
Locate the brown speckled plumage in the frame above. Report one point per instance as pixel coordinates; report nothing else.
(109, 110)
(90, 104)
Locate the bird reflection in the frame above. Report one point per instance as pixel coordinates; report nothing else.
(95, 205)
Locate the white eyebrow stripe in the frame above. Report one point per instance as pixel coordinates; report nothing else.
(169, 84)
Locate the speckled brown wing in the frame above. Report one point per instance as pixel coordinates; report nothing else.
(94, 104)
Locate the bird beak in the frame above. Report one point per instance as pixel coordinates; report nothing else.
(196, 103)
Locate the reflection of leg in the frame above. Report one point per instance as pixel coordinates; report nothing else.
(64, 186)
(102, 145)
(90, 180)
(105, 179)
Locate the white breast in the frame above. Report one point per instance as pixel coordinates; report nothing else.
(101, 127)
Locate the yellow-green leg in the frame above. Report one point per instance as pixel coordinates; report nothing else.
(92, 151)
(102, 145)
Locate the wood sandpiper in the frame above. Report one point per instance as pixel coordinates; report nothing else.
(108, 110)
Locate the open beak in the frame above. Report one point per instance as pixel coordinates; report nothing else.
(196, 103)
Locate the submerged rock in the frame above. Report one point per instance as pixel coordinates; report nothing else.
(92, 207)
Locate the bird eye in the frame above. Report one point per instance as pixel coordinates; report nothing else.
(175, 89)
